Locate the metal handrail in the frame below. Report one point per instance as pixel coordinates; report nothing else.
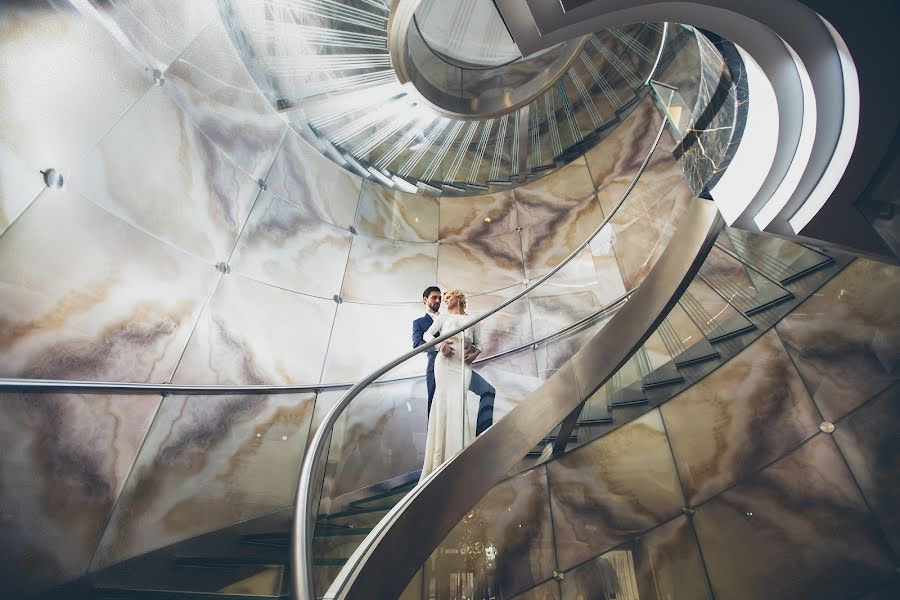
(302, 528)
(169, 389)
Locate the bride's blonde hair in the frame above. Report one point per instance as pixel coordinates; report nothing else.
(460, 298)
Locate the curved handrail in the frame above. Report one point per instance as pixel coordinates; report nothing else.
(376, 572)
(170, 389)
(303, 525)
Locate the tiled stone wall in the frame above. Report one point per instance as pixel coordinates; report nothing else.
(730, 489)
(174, 163)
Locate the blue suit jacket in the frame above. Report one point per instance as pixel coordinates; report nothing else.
(420, 326)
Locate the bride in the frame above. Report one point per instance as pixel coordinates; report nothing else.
(449, 430)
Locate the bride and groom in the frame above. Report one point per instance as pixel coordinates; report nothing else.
(449, 377)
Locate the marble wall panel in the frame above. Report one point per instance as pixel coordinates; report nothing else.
(96, 298)
(614, 162)
(159, 31)
(567, 296)
(552, 354)
(481, 265)
(546, 591)
(799, 529)
(740, 417)
(19, 185)
(513, 376)
(548, 243)
(396, 215)
(868, 440)
(209, 82)
(286, 247)
(664, 563)
(660, 165)
(648, 219)
(612, 489)
(169, 179)
(66, 81)
(610, 285)
(464, 218)
(380, 435)
(668, 563)
(513, 517)
(252, 333)
(381, 271)
(508, 328)
(65, 460)
(845, 339)
(208, 462)
(313, 183)
(366, 336)
(544, 199)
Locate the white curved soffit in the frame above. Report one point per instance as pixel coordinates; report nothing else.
(802, 57)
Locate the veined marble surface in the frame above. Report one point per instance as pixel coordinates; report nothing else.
(208, 462)
(48, 53)
(545, 199)
(663, 563)
(65, 460)
(286, 247)
(382, 271)
(19, 185)
(845, 339)
(515, 518)
(508, 328)
(554, 353)
(610, 284)
(802, 523)
(546, 591)
(159, 31)
(252, 333)
(200, 199)
(613, 489)
(614, 162)
(737, 419)
(513, 376)
(209, 82)
(649, 217)
(546, 244)
(465, 218)
(396, 215)
(481, 265)
(313, 183)
(708, 146)
(366, 336)
(868, 440)
(97, 299)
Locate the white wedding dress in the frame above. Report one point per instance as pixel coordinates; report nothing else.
(449, 430)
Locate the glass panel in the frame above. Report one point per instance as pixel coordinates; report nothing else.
(468, 33)
(678, 113)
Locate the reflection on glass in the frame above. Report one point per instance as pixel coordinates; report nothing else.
(676, 110)
(468, 33)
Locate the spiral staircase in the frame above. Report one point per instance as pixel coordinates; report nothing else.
(713, 285)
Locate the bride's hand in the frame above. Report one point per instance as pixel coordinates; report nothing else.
(447, 349)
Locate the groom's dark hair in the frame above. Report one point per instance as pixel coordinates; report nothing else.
(430, 289)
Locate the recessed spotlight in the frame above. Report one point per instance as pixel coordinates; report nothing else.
(487, 219)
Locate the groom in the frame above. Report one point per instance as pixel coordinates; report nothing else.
(431, 298)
